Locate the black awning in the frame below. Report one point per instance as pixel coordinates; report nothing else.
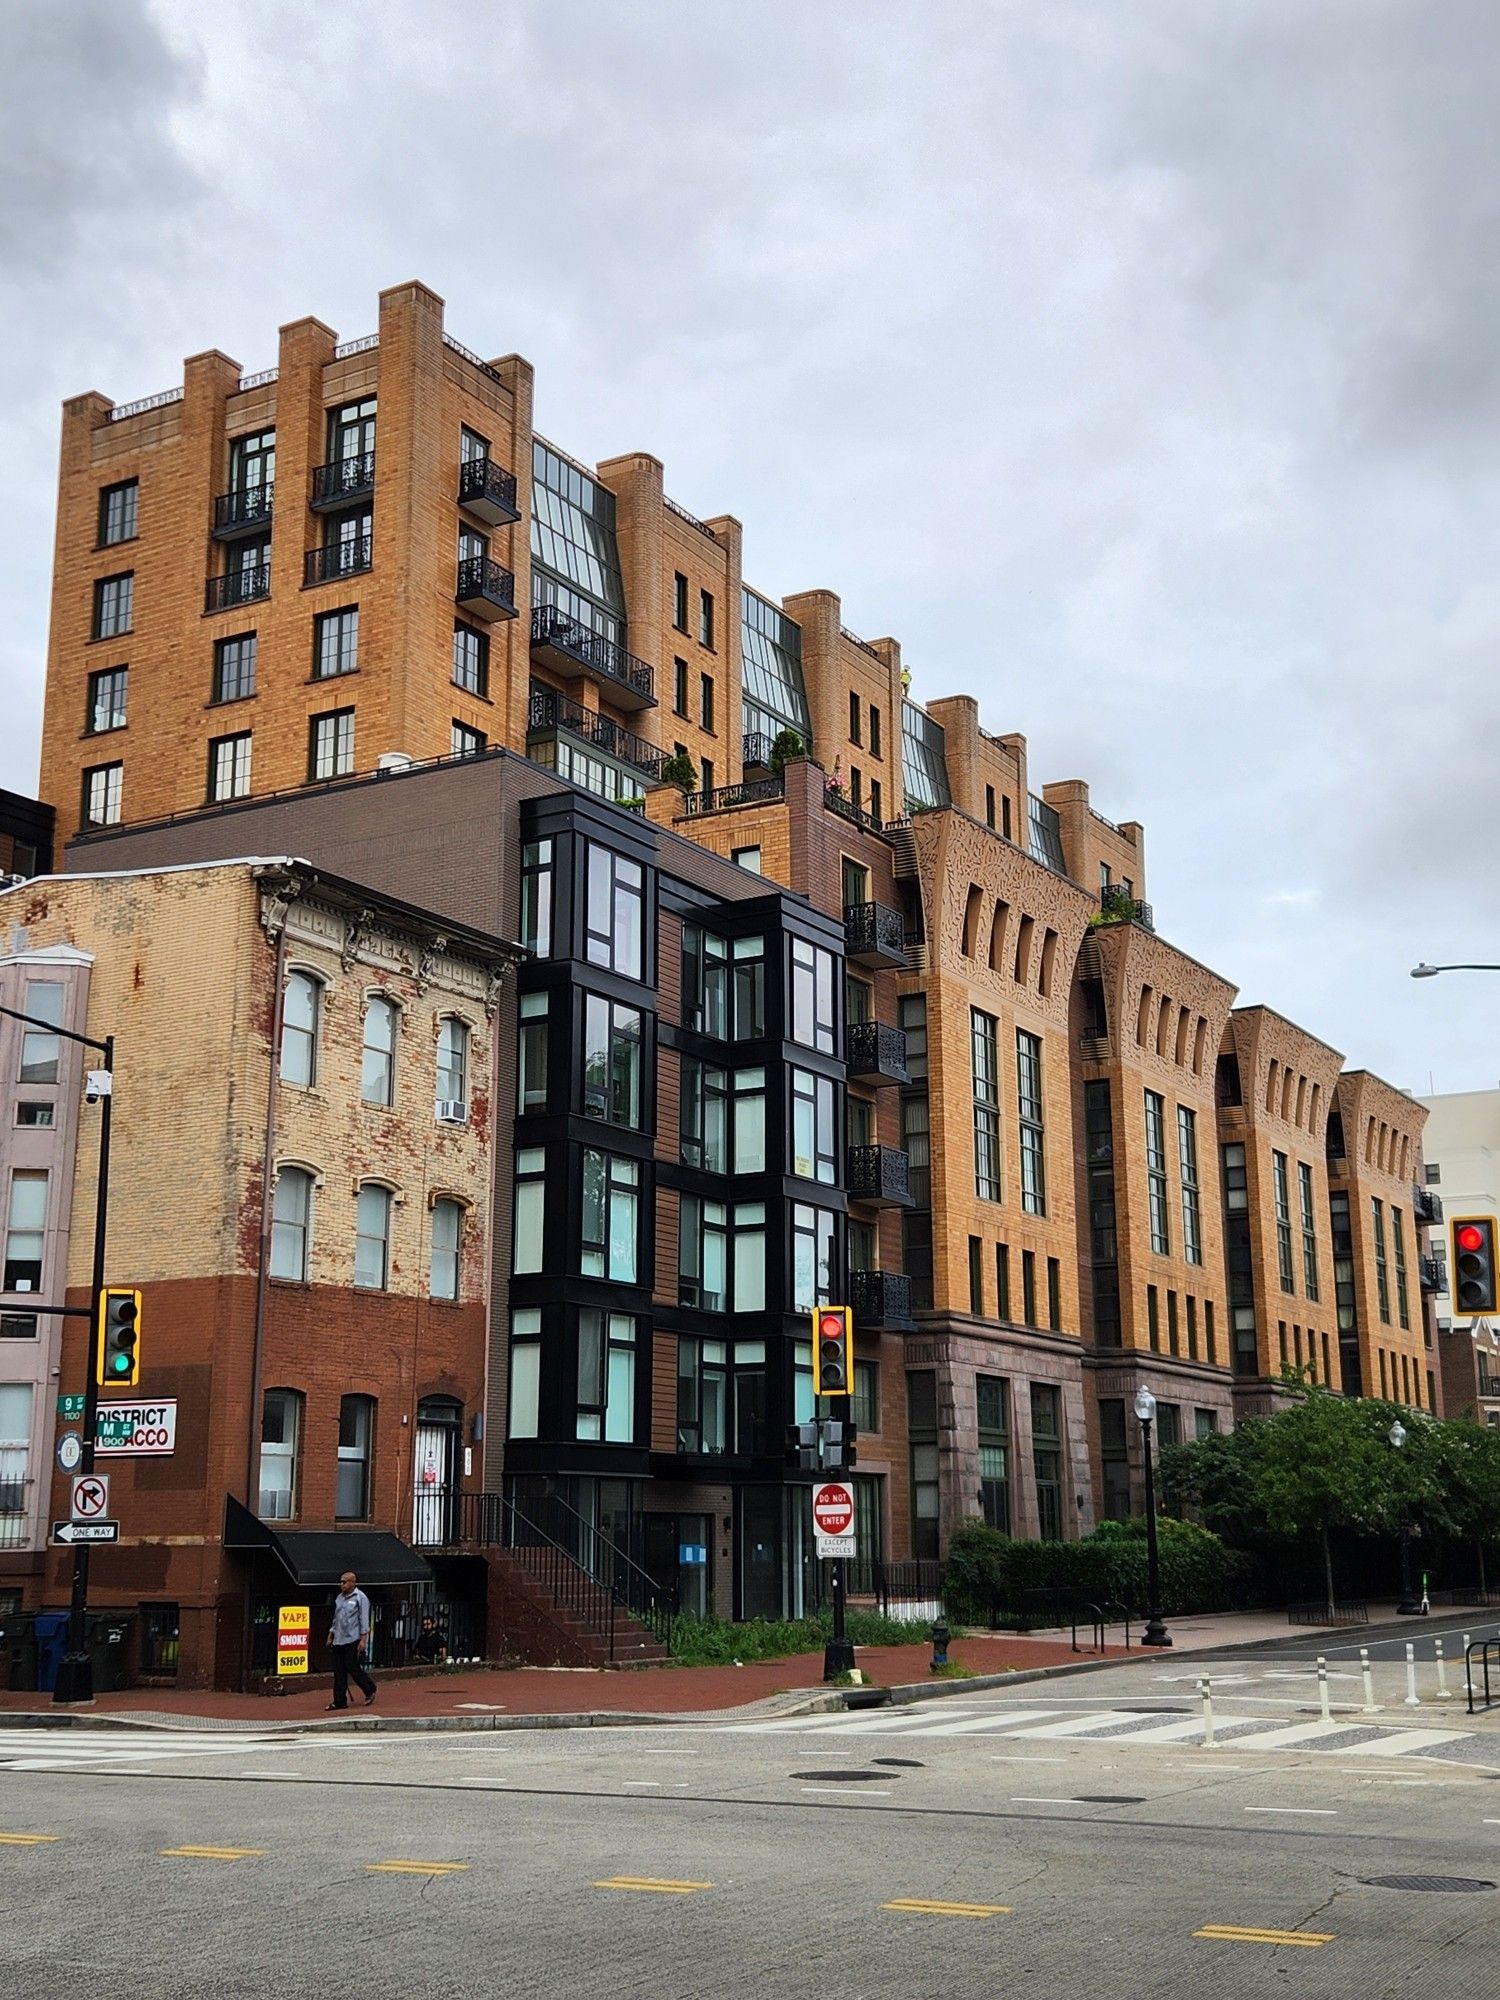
(317, 1557)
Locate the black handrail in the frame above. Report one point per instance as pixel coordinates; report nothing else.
(482, 479)
(551, 627)
(338, 559)
(1483, 1647)
(839, 802)
(874, 927)
(343, 479)
(873, 1049)
(558, 711)
(754, 792)
(478, 576)
(561, 1575)
(245, 506)
(237, 586)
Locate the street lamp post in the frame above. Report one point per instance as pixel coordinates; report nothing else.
(1156, 1633)
(1431, 971)
(1408, 1606)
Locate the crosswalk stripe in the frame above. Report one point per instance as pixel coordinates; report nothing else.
(1074, 1725)
(1397, 1742)
(1299, 1732)
(1184, 1729)
(978, 1725)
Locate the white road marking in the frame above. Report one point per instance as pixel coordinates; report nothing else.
(1300, 1732)
(1396, 1742)
(1300, 1812)
(1076, 1725)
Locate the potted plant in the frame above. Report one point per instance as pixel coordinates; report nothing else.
(681, 772)
(788, 745)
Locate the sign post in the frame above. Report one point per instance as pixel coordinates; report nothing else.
(833, 1536)
(293, 1638)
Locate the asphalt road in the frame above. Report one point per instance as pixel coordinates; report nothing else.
(1382, 1642)
(770, 1860)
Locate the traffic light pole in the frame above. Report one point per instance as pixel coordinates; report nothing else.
(838, 1654)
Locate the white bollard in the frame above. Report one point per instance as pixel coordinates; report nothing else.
(1411, 1678)
(1206, 1693)
(1468, 1683)
(1442, 1667)
(1323, 1709)
(1364, 1670)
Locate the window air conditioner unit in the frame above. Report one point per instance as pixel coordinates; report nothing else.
(452, 1111)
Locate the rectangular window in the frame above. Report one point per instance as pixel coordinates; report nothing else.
(524, 1402)
(229, 767)
(611, 1217)
(466, 741)
(531, 1209)
(372, 1237)
(854, 735)
(114, 605)
(1156, 1173)
(706, 701)
(336, 643)
(1283, 1222)
(985, 1055)
(865, 1411)
(330, 746)
(680, 602)
(606, 1377)
(531, 1055)
(704, 1116)
(989, 806)
(705, 619)
(679, 687)
(874, 730)
(1192, 1327)
(25, 1229)
(1382, 1277)
(703, 1254)
(40, 1048)
(234, 667)
(252, 470)
(1002, 1281)
(976, 1275)
(351, 1498)
(1054, 1294)
(1168, 1423)
(1236, 1183)
(911, 1012)
(814, 1127)
(1029, 1108)
(1187, 1167)
(103, 793)
(1046, 1457)
(1172, 1334)
(106, 703)
(992, 1407)
(813, 1238)
(1210, 1343)
(280, 1430)
(1398, 1243)
(702, 1396)
(612, 1042)
(750, 1256)
(748, 858)
(536, 897)
(706, 774)
(1114, 1459)
(922, 1431)
(615, 919)
(1309, 1231)
(1028, 1289)
(447, 1236)
(119, 508)
(705, 982)
(471, 659)
(814, 984)
(1153, 1319)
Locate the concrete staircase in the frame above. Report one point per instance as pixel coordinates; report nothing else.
(546, 1610)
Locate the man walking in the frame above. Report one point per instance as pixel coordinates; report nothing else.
(349, 1641)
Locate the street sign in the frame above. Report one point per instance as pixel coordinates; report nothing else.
(69, 1451)
(85, 1531)
(833, 1519)
(137, 1429)
(69, 1408)
(293, 1638)
(90, 1496)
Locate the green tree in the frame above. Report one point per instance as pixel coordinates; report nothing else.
(1467, 1472)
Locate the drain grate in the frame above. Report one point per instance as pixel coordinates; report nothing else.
(900, 1764)
(841, 1777)
(1437, 1885)
(1107, 1799)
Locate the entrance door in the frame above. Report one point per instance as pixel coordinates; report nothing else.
(679, 1559)
(760, 1552)
(435, 1485)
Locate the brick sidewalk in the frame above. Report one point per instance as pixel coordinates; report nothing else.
(563, 1691)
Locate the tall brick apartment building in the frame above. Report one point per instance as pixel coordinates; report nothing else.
(1042, 1153)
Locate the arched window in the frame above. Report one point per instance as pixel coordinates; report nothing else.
(377, 1077)
(372, 1237)
(447, 1245)
(453, 1063)
(301, 1007)
(280, 1442)
(291, 1223)
(351, 1500)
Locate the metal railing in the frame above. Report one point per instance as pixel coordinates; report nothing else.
(1425, 1205)
(880, 1298)
(482, 479)
(478, 576)
(1431, 1275)
(841, 803)
(343, 479)
(874, 927)
(250, 505)
(339, 559)
(551, 627)
(258, 381)
(855, 640)
(919, 1581)
(691, 519)
(873, 1049)
(1485, 1648)
(557, 711)
(156, 402)
(722, 798)
(361, 346)
(1120, 907)
(237, 586)
(878, 1173)
(470, 356)
(1346, 1611)
(755, 751)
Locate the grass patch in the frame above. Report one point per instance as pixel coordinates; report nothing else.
(714, 1642)
(952, 1670)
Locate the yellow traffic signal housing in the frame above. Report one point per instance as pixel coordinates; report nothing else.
(833, 1351)
(118, 1360)
(1472, 1264)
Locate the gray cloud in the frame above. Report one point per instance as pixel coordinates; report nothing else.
(1137, 367)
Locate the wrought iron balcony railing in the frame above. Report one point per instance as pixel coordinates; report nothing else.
(244, 511)
(556, 631)
(873, 1050)
(1116, 906)
(1433, 1276)
(556, 711)
(840, 803)
(343, 481)
(486, 589)
(237, 586)
(488, 490)
(338, 559)
(722, 798)
(755, 751)
(874, 934)
(1425, 1205)
(880, 1299)
(879, 1174)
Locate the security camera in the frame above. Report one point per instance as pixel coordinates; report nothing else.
(98, 1083)
(90, 1095)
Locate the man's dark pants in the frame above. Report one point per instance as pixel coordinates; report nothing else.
(346, 1668)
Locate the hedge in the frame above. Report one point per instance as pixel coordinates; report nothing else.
(988, 1573)
(714, 1642)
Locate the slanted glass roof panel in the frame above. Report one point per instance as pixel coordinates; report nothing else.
(924, 759)
(773, 691)
(1046, 836)
(575, 559)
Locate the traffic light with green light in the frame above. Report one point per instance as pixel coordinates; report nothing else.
(119, 1339)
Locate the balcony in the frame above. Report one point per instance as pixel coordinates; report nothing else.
(342, 482)
(875, 1053)
(571, 648)
(724, 798)
(879, 1174)
(1116, 907)
(338, 559)
(839, 802)
(247, 512)
(1425, 1205)
(237, 586)
(874, 934)
(488, 490)
(549, 712)
(881, 1300)
(755, 751)
(1432, 1275)
(484, 589)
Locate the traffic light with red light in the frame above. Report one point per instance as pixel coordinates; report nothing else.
(833, 1351)
(119, 1360)
(1472, 1264)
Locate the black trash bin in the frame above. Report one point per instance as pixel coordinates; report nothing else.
(18, 1650)
(108, 1640)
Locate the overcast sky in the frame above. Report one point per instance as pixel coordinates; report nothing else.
(1138, 367)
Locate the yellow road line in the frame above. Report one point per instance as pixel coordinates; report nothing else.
(28, 1839)
(416, 1867)
(1244, 1934)
(938, 1909)
(651, 1886)
(214, 1853)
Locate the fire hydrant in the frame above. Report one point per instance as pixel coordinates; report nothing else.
(940, 1637)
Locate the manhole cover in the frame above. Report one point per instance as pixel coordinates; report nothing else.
(841, 1777)
(1438, 1885)
(900, 1764)
(1106, 1799)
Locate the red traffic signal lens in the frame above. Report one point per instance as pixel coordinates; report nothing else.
(1469, 1236)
